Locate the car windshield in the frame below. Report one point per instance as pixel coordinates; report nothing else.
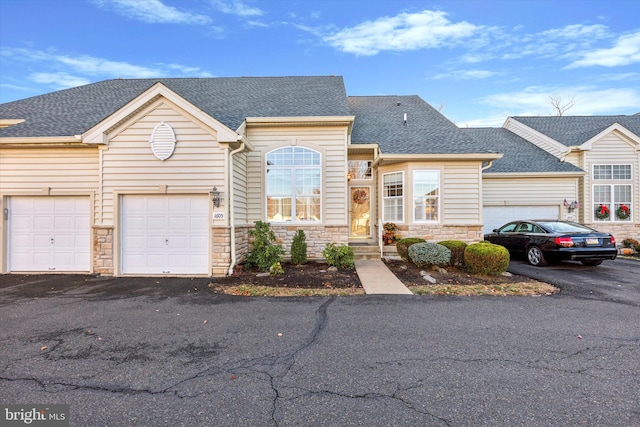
(566, 227)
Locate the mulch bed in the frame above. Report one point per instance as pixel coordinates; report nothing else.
(314, 275)
(409, 274)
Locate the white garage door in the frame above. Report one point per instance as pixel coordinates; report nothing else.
(497, 216)
(49, 234)
(165, 234)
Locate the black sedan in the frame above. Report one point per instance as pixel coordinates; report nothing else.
(550, 240)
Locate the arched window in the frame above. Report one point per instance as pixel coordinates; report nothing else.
(294, 185)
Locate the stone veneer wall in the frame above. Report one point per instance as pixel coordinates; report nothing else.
(103, 250)
(620, 230)
(317, 237)
(221, 253)
(437, 233)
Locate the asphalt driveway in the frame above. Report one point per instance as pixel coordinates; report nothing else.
(614, 281)
(166, 352)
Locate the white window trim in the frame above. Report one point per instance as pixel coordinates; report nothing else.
(611, 205)
(383, 198)
(593, 167)
(426, 221)
(293, 187)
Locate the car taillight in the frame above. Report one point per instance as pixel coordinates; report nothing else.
(613, 241)
(564, 241)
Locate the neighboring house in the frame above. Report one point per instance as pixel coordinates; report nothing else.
(167, 176)
(607, 149)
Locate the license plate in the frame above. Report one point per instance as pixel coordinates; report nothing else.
(592, 241)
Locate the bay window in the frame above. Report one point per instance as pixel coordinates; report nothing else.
(426, 195)
(393, 197)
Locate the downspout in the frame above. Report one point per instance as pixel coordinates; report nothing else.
(488, 165)
(232, 220)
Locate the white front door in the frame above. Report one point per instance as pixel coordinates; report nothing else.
(49, 234)
(165, 235)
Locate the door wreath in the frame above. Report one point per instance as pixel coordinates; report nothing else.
(360, 197)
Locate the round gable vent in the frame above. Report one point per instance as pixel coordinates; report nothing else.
(163, 141)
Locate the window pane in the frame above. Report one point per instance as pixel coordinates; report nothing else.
(426, 189)
(308, 208)
(278, 209)
(307, 181)
(359, 169)
(602, 194)
(278, 182)
(393, 210)
(622, 194)
(621, 172)
(602, 172)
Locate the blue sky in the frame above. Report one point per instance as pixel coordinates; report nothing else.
(478, 61)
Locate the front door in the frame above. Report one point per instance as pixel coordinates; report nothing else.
(360, 212)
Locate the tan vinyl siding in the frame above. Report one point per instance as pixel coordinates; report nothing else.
(461, 194)
(129, 165)
(60, 169)
(529, 191)
(611, 150)
(240, 187)
(330, 142)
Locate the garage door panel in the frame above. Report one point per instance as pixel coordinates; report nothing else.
(496, 216)
(49, 234)
(160, 238)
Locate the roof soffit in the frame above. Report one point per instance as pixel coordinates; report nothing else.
(98, 134)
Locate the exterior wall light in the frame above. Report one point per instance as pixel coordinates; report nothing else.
(216, 197)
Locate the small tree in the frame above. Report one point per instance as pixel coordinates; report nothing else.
(560, 105)
(299, 248)
(338, 255)
(265, 252)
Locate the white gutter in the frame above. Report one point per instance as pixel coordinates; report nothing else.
(232, 221)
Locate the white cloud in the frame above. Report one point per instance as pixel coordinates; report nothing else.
(466, 75)
(535, 100)
(236, 7)
(62, 71)
(154, 12)
(625, 51)
(62, 80)
(406, 31)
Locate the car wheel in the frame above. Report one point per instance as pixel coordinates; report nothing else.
(535, 256)
(592, 262)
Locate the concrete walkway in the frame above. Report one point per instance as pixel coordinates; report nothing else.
(376, 278)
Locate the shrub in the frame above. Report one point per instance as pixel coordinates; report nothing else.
(630, 243)
(486, 258)
(276, 269)
(457, 248)
(403, 246)
(265, 252)
(299, 248)
(428, 254)
(338, 255)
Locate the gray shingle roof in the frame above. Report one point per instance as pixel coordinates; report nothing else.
(229, 100)
(380, 119)
(519, 154)
(576, 130)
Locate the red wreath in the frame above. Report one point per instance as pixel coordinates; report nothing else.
(360, 197)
